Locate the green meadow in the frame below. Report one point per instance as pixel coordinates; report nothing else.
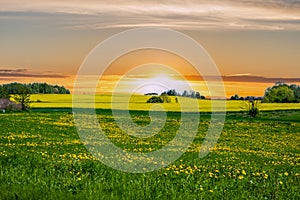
(42, 156)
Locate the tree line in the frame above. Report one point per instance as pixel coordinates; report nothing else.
(278, 93)
(164, 96)
(173, 92)
(34, 88)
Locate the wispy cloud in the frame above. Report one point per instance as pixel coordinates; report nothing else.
(258, 79)
(189, 14)
(5, 74)
(9, 71)
(245, 78)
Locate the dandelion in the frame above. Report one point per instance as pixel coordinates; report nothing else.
(240, 177)
(243, 172)
(211, 191)
(201, 188)
(286, 174)
(266, 176)
(280, 182)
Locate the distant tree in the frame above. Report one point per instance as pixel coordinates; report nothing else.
(4, 93)
(296, 90)
(280, 93)
(171, 92)
(185, 93)
(235, 97)
(192, 94)
(22, 96)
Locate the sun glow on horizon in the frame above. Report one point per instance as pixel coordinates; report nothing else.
(159, 83)
(150, 78)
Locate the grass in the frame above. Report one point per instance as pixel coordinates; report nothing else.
(138, 102)
(42, 157)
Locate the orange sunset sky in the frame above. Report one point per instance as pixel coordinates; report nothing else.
(253, 43)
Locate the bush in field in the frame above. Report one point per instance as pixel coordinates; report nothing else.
(159, 99)
(251, 107)
(155, 99)
(165, 98)
(253, 112)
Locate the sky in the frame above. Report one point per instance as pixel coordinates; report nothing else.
(251, 41)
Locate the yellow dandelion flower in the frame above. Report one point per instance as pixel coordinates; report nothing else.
(243, 172)
(265, 176)
(241, 177)
(286, 174)
(201, 188)
(211, 191)
(280, 182)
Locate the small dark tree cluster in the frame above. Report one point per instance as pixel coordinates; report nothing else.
(190, 94)
(249, 98)
(151, 94)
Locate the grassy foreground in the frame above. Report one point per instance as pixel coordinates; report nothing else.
(42, 157)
